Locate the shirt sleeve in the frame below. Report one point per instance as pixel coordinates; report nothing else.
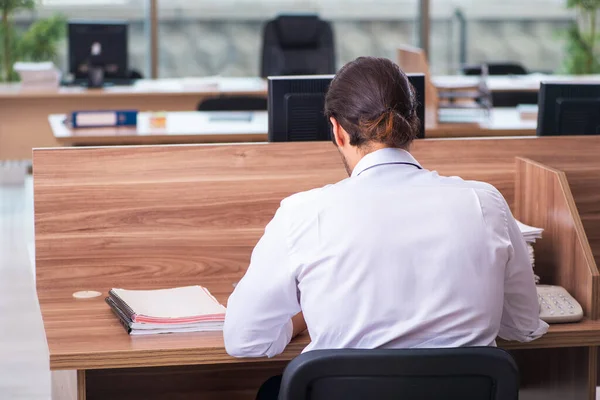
(258, 317)
(521, 313)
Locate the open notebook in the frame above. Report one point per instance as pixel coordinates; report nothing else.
(183, 309)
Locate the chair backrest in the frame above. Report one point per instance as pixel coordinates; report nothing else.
(298, 45)
(505, 68)
(134, 74)
(233, 103)
(412, 60)
(474, 373)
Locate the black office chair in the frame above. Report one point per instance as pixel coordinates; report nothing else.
(233, 103)
(474, 373)
(297, 45)
(134, 74)
(505, 99)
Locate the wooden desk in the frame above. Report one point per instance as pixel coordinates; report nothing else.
(162, 216)
(210, 127)
(511, 83)
(181, 127)
(24, 113)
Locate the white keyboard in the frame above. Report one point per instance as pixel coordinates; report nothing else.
(557, 305)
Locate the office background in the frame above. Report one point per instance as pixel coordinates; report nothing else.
(205, 37)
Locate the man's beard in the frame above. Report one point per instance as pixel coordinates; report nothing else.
(348, 170)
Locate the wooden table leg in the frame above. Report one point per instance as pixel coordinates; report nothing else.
(68, 385)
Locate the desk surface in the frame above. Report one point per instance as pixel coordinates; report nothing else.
(146, 87)
(511, 83)
(84, 334)
(213, 127)
(258, 86)
(181, 127)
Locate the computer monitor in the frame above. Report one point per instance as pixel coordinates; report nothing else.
(569, 109)
(296, 107)
(110, 36)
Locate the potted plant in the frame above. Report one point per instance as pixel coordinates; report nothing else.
(38, 43)
(583, 54)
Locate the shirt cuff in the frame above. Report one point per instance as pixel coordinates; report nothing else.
(507, 333)
(282, 341)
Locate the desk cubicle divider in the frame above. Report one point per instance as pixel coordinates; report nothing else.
(162, 216)
(543, 198)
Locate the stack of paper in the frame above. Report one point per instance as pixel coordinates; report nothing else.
(530, 234)
(184, 309)
(42, 75)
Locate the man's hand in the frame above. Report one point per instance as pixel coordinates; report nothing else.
(299, 324)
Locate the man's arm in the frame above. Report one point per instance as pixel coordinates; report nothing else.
(258, 321)
(521, 313)
(298, 324)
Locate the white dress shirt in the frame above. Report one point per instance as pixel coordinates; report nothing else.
(393, 257)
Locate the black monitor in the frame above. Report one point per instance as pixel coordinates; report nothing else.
(296, 105)
(569, 109)
(111, 36)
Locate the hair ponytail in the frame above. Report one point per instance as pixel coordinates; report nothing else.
(358, 94)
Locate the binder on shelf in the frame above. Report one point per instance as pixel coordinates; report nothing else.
(103, 119)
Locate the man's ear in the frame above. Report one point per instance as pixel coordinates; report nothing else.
(338, 132)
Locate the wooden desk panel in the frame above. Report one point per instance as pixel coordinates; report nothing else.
(563, 257)
(207, 193)
(104, 224)
(117, 229)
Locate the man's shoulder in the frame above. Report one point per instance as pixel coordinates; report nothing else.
(478, 186)
(307, 198)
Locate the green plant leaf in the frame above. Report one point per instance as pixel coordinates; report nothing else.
(584, 4)
(579, 57)
(10, 6)
(40, 40)
(14, 36)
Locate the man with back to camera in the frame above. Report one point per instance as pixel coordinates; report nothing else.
(395, 256)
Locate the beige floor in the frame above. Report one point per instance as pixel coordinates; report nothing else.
(24, 368)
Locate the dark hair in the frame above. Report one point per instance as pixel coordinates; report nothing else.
(373, 100)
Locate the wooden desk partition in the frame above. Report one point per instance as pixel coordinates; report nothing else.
(163, 216)
(563, 257)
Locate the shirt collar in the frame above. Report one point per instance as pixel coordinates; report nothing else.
(384, 156)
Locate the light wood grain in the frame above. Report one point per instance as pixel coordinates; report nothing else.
(118, 200)
(148, 217)
(563, 257)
